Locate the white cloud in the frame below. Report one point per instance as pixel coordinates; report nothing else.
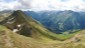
(9, 6)
(58, 5)
(14, 5)
(38, 5)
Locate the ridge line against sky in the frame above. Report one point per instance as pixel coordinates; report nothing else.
(38, 5)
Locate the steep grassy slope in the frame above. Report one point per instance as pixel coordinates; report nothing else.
(30, 27)
(8, 39)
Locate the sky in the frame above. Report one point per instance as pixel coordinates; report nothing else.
(40, 5)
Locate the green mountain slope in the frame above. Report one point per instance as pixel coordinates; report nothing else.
(20, 31)
(78, 41)
(29, 27)
(8, 39)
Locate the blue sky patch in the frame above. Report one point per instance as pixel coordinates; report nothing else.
(7, 1)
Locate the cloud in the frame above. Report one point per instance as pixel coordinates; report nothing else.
(14, 5)
(58, 5)
(38, 5)
(5, 5)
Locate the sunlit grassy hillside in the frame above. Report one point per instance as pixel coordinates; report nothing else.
(33, 34)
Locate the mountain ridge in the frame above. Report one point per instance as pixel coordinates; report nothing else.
(29, 27)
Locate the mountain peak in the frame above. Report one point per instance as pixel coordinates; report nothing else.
(17, 12)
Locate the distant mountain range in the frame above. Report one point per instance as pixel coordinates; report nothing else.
(60, 21)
